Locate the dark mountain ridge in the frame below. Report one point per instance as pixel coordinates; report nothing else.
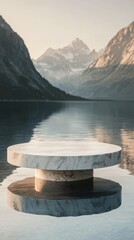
(18, 76)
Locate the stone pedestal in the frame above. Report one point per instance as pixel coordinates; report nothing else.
(105, 196)
(62, 176)
(61, 180)
(64, 165)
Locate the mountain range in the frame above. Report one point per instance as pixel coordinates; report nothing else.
(62, 66)
(108, 75)
(111, 76)
(18, 76)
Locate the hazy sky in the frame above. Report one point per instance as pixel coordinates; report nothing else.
(55, 23)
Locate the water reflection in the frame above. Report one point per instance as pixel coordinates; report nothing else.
(110, 122)
(105, 196)
(17, 121)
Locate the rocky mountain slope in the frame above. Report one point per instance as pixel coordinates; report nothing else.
(18, 76)
(62, 66)
(111, 76)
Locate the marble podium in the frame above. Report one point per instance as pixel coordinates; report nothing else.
(61, 162)
(105, 196)
(63, 184)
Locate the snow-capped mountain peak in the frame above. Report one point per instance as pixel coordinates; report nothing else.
(79, 45)
(49, 51)
(60, 65)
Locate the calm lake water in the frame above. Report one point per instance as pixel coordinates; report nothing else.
(110, 122)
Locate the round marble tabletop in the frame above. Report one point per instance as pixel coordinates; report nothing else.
(64, 155)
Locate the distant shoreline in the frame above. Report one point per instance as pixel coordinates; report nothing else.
(43, 100)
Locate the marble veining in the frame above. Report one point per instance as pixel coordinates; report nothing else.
(64, 155)
(105, 196)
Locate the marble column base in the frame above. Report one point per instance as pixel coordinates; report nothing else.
(62, 181)
(60, 176)
(105, 196)
(64, 188)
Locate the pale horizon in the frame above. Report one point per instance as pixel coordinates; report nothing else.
(55, 23)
